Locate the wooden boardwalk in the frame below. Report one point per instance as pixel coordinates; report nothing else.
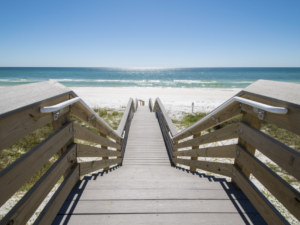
(146, 189)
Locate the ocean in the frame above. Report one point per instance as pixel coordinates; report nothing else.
(147, 77)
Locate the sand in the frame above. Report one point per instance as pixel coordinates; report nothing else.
(175, 100)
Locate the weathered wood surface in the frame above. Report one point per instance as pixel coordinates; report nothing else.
(215, 167)
(80, 111)
(24, 209)
(281, 154)
(169, 122)
(226, 151)
(57, 200)
(178, 218)
(90, 151)
(87, 135)
(218, 135)
(228, 113)
(20, 124)
(88, 167)
(261, 203)
(22, 97)
(146, 185)
(16, 174)
(284, 192)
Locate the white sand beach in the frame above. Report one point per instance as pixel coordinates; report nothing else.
(175, 100)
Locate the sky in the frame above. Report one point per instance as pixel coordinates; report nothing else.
(149, 33)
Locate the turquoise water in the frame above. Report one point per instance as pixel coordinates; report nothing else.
(151, 77)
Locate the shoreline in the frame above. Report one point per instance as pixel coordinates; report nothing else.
(175, 100)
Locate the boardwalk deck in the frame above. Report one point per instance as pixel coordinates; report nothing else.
(147, 190)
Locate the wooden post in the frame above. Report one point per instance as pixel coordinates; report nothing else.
(175, 150)
(193, 169)
(57, 124)
(254, 122)
(119, 150)
(105, 147)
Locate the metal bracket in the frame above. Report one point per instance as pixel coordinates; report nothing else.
(55, 115)
(90, 118)
(261, 113)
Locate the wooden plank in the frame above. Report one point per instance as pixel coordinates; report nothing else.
(158, 206)
(166, 117)
(15, 99)
(289, 121)
(219, 168)
(260, 202)
(56, 124)
(160, 218)
(218, 135)
(284, 192)
(88, 167)
(17, 173)
(90, 151)
(105, 147)
(125, 117)
(139, 194)
(79, 111)
(282, 92)
(281, 154)
(160, 184)
(193, 169)
(51, 209)
(19, 125)
(24, 209)
(226, 114)
(225, 151)
(86, 135)
(254, 122)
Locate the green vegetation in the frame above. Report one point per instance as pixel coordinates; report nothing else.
(188, 119)
(11, 154)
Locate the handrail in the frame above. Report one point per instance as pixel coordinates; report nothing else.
(261, 106)
(122, 124)
(136, 104)
(169, 122)
(57, 107)
(150, 105)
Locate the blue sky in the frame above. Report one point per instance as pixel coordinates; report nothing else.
(100, 33)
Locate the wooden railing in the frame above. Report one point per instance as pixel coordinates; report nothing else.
(184, 148)
(18, 121)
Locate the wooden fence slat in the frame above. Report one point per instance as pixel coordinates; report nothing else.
(79, 111)
(225, 151)
(226, 114)
(87, 135)
(281, 154)
(218, 135)
(284, 192)
(53, 206)
(88, 167)
(90, 151)
(259, 201)
(17, 173)
(214, 167)
(24, 209)
(289, 121)
(19, 125)
(125, 116)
